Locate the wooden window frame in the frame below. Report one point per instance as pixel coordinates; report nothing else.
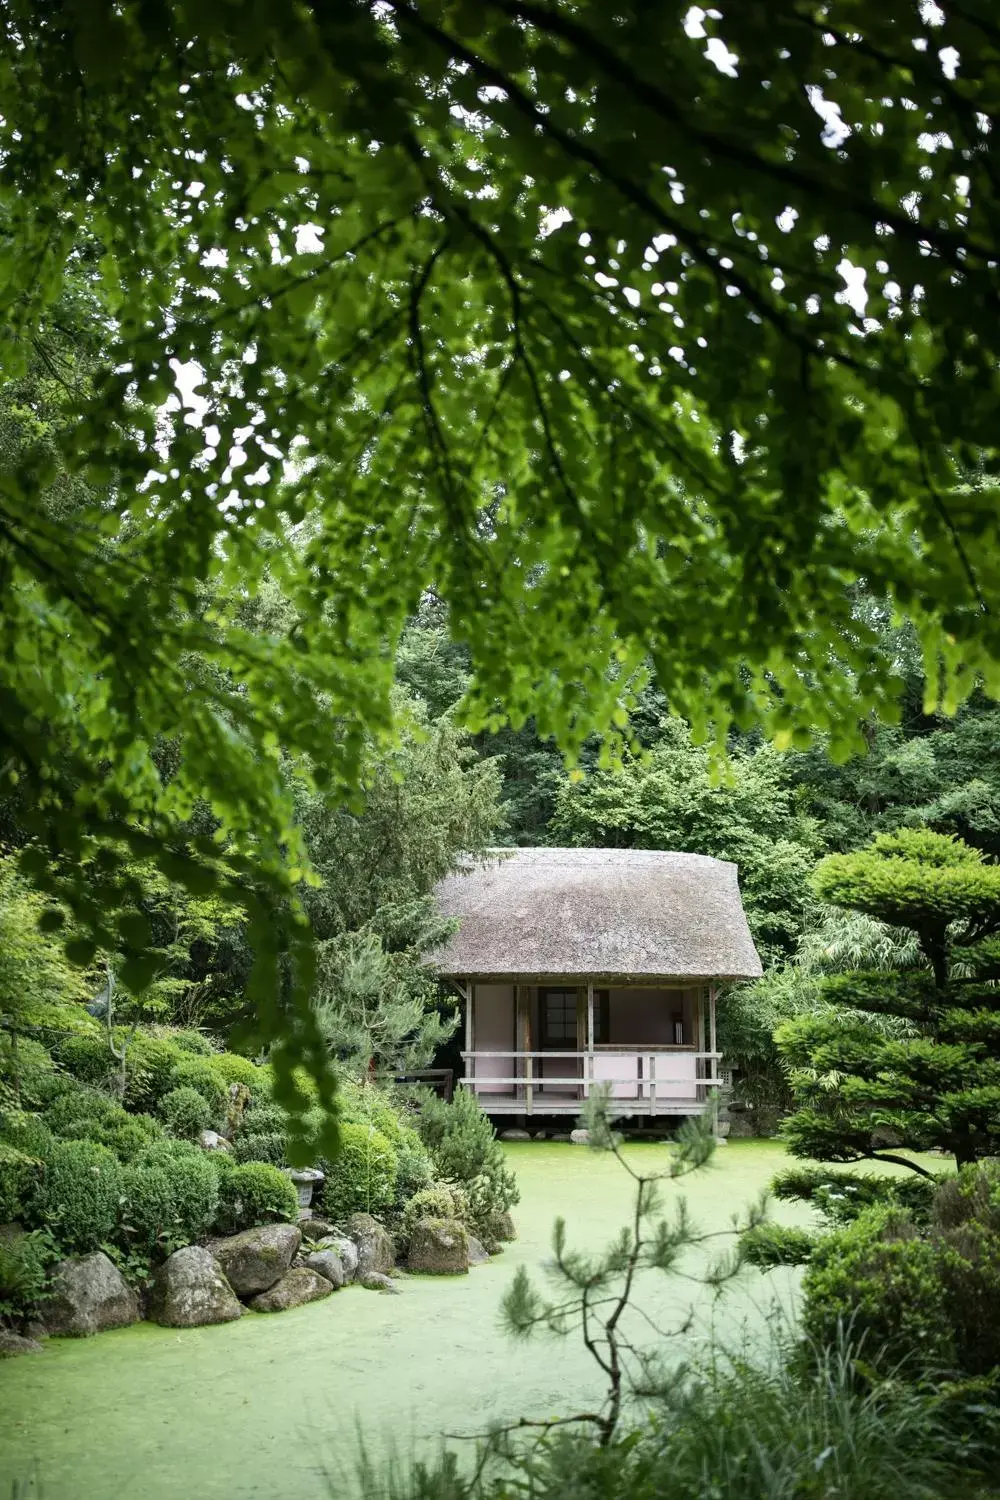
(547, 1043)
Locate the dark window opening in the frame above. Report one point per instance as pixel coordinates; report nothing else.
(558, 1019)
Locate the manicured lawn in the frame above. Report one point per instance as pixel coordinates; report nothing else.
(267, 1406)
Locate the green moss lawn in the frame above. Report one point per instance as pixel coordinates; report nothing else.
(269, 1406)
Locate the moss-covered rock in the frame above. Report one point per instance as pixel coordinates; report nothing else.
(301, 1284)
(439, 1247)
(254, 1260)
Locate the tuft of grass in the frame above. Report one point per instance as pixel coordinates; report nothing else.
(734, 1429)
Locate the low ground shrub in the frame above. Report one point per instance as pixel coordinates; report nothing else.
(254, 1193)
(267, 1146)
(129, 1137)
(21, 1176)
(24, 1264)
(81, 1194)
(194, 1175)
(734, 1430)
(925, 1298)
(185, 1113)
(769, 1245)
(363, 1177)
(149, 1069)
(365, 1103)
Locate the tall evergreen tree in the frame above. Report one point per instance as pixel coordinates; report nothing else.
(909, 1058)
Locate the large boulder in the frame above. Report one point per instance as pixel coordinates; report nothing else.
(478, 1253)
(255, 1259)
(439, 1247)
(190, 1290)
(376, 1251)
(329, 1264)
(12, 1344)
(344, 1249)
(300, 1284)
(87, 1295)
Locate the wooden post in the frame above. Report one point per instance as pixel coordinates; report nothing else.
(699, 1042)
(470, 1036)
(652, 1083)
(522, 1010)
(711, 1029)
(529, 1090)
(580, 1065)
(588, 1067)
(469, 994)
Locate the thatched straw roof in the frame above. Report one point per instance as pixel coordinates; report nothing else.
(608, 913)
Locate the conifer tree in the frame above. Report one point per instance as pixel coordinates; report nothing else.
(911, 1058)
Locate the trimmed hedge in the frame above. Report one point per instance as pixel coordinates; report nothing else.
(170, 1197)
(264, 1119)
(269, 1146)
(255, 1193)
(81, 1194)
(199, 1073)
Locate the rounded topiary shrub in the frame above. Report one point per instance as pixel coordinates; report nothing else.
(78, 1111)
(87, 1056)
(129, 1137)
(269, 1146)
(255, 1193)
(363, 1177)
(185, 1113)
(199, 1073)
(264, 1118)
(85, 1114)
(170, 1196)
(81, 1194)
(230, 1067)
(881, 1283)
(191, 1041)
(149, 1070)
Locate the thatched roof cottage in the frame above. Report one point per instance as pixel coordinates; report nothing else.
(593, 965)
